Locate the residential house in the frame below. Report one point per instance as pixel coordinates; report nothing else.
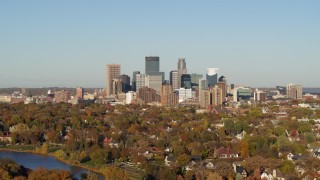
(225, 153)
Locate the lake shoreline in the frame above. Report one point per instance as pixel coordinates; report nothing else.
(59, 159)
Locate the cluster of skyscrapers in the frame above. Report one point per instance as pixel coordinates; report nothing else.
(183, 87)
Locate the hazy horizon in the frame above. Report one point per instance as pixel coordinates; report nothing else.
(69, 43)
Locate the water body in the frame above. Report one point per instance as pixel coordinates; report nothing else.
(34, 161)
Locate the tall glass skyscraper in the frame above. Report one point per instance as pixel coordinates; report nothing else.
(153, 67)
(212, 76)
(186, 81)
(134, 80)
(152, 64)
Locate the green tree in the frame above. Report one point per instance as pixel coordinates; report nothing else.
(283, 144)
(287, 167)
(304, 127)
(279, 131)
(229, 126)
(99, 157)
(309, 137)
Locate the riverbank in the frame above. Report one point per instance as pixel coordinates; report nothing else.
(27, 150)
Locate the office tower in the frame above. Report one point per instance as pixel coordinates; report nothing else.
(186, 81)
(116, 87)
(130, 97)
(259, 96)
(222, 84)
(141, 81)
(113, 72)
(61, 96)
(79, 93)
(184, 94)
(212, 76)
(282, 90)
(195, 79)
(211, 97)
(150, 81)
(241, 93)
(222, 79)
(134, 82)
(168, 97)
(152, 64)
(174, 79)
(153, 67)
(155, 82)
(294, 91)
(216, 98)
(182, 67)
(125, 80)
(203, 84)
(204, 98)
(148, 95)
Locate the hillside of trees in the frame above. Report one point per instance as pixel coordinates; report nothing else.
(167, 143)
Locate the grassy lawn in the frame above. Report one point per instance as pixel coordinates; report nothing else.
(53, 149)
(19, 147)
(89, 164)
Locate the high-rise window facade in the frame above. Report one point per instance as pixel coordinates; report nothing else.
(113, 72)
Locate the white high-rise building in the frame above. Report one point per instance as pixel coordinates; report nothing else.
(130, 96)
(184, 94)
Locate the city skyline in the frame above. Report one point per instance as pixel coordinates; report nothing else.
(68, 44)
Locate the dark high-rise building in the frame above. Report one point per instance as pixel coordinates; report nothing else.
(222, 79)
(134, 80)
(186, 81)
(152, 64)
(125, 80)
(153, 67)
(195, 79)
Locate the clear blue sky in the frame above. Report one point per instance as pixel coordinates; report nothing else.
(69, 42)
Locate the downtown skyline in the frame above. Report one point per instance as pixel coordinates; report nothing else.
(68, 44)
